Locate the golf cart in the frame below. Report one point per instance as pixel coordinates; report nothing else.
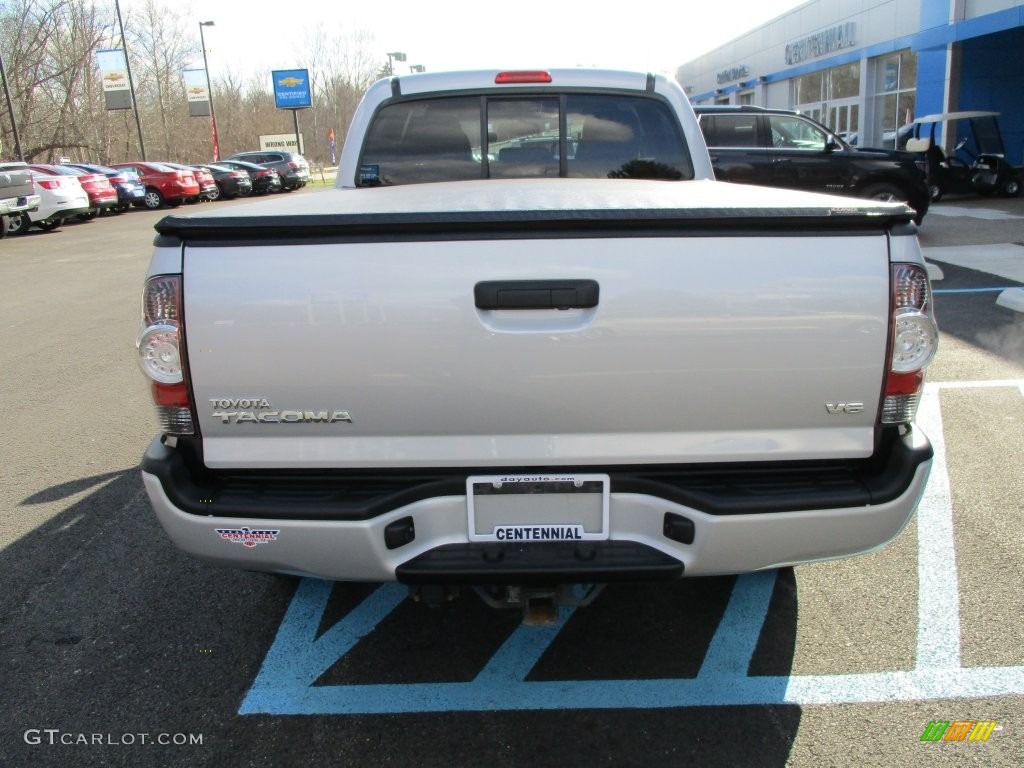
(987, 173)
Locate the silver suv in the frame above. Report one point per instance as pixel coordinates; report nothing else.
(290, 166)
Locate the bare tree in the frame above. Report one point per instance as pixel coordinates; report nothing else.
(50, 50)
(162, 49)
(341, 68)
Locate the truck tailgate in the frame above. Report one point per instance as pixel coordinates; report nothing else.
(700, 348)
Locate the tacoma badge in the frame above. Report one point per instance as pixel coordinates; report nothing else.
(256, 410)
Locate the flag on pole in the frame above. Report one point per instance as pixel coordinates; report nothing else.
(330, 136)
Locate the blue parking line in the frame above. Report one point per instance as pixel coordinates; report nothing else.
(297, 657)
(733, 644)
(521, 651)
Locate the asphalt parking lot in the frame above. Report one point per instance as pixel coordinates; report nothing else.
(116, 649)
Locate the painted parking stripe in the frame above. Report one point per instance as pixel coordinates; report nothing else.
(520, 652)
(733, 644)
(938, 602)
(1004, 260)
(917, 685)
(297, 657)
(990, 214)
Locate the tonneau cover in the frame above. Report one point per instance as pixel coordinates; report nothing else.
(453, 207)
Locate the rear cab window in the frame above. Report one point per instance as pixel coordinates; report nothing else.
(576, 135)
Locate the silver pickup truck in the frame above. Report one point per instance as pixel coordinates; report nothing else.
(528, 343)
(17, 195)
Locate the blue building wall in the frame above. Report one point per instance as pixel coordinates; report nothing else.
(991, 74)
(992, 77)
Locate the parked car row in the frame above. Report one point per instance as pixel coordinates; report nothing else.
(85, 190)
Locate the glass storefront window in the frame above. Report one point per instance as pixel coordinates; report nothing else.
(807, 89)
(895, 102)
(828, 96)
(844, 82)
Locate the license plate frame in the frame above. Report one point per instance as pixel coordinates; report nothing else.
(548, 508)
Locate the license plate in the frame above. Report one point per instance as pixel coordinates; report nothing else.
(537, 508)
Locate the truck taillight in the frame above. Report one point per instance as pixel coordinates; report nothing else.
(914, 342)
(160, 354)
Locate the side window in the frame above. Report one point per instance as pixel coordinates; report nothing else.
(729, 130)
(793, 132)
(413, 142)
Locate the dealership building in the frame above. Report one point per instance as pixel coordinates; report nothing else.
(867, 68)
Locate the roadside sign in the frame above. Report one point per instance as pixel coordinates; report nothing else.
(285, 141)
(291, 89)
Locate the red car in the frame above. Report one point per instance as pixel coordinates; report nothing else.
(102, 195)
(208, 189)
(164, 185)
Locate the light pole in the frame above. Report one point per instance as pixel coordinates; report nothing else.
(10, 111)
(209, 89)
(131, 84)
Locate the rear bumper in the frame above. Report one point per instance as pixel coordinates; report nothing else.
(19, 204)
(344, 529)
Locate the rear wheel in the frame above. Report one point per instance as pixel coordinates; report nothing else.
(153, 199)
(213, 194)
(884, 192)
(16, 224)
(1010, 188)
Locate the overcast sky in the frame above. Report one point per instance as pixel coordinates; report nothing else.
(258, 35)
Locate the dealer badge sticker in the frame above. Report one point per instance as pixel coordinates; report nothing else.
(247, 537)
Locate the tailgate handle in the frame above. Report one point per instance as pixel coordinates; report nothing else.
(536, 294)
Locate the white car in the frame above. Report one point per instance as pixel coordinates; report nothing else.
(59, 198)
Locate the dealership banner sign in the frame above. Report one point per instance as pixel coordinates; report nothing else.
(113, 68)
(197, 90)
